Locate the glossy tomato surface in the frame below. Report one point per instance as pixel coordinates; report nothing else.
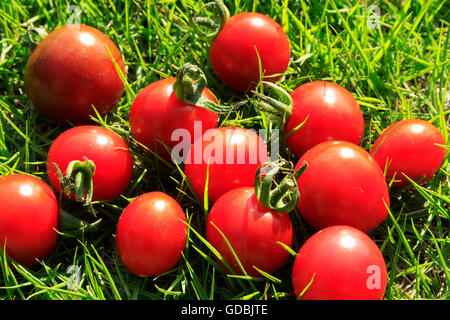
(151, 234)
(28, 218)
(109, 152)
(252, 231)
(409, 147)
(233, 55)
(157, 112)
(70, 70)
(331, 113)
(230, 156)
(343, 263)
(342, 185)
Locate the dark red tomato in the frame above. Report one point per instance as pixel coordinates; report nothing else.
(28, 218)
(252, 231)
(342, 185)
(233, 55)
(331, 113)
(157, 112)
(409, 147)
(151, 234)
(109, 152)
(70, 70)
(231, 157)
(343, 263)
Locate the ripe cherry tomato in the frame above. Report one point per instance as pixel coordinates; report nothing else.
(151, 234)
(342, 185)
(157, 112)
(231, 157)
(70, 70)
(108, 151)
(233, 55)
(28, 218)
(252, 230)
(409, 147)
(343, 263)
(331, 113)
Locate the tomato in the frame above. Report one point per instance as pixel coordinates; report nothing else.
(28, 218)
(331, 113)
(151, 234)
(343, 263)
(252, 231)
(409, 147)
(342, 185)
(233, 55)
(230, 156)
(157, 112)
(70, 70)
(109, 152)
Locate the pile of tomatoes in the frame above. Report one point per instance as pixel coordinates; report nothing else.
(344, 189)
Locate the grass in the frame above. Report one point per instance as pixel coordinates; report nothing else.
(396, 71)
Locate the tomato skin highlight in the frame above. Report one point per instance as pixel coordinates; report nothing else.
(157, 112)
(252, 230)
(409, 147)
(342, 185)
(70, 70)
(107, 149)
(346, 265)
(151, 234)
(233, 56)
(28, 218)
(245, 150)
(331, 113)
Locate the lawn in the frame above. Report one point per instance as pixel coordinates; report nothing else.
(395, 64)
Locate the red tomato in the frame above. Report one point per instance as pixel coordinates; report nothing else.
(71, 70)
(409, 147)
(233, 154)
(157, 112)
(342, 185)
(28, 218)
(151, 234)
(345, 263)
(252, 230)
(331, 113)
(113, 163)
(233, 55)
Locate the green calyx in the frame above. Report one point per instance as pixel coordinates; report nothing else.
(78, 181)
(275, 101)
(68, 223)
(189, 85)
(285, 196)
(213, 26)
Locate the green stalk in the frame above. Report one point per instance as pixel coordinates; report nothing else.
(276, 102)
(216, 25)
(285, 196)
(189, 85)
(78, 181)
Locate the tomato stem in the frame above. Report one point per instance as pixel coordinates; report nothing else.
(285, 196)
(69, 223)
(189, 85)
(277, 102)
(223, 15)
(78, 181)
